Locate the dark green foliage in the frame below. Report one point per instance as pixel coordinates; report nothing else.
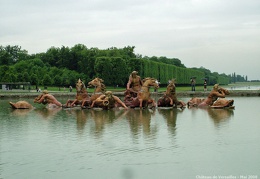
(38, 73)
(169, 61)
(119, 73)
(11, 54)
(63, 66)
(134, 64)
(103, 69)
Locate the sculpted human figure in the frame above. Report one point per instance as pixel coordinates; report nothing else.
(215, 99)
(134, 83)
(108, 101)
(46, 98)
(143, 98)
(216, 93)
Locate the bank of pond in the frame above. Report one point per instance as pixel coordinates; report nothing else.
(133, 97)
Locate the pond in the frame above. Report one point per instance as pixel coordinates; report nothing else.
(133, 143)
(249, 87)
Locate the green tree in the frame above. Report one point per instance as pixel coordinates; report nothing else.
(11, 54)
(47, 80)
(9, 77)
(119, 76)
(34, 79)
(5, 58)
(104, 69)
(57, 81)
(3, 70)
(51, 56)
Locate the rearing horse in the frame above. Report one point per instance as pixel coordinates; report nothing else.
(144, 96)
(169, 99)
(100, 89)
(82, 95)
(98, 83)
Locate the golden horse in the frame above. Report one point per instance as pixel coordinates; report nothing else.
(82, 95)
(144, 96)
(98, 83)
(169, 99)
(100, 89)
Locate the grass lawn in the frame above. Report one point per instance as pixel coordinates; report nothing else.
(120, 89)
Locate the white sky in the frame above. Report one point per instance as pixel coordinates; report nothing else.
(220, 35)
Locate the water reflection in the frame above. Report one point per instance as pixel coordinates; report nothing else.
(81, 117)
(20, 112)
(133, 144)
(47, 113)
(220, 115)
(140, 119)
(103, 117)
(170, 115)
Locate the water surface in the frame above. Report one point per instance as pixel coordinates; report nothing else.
(134, 143)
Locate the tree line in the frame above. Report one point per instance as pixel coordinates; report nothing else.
(62, 66)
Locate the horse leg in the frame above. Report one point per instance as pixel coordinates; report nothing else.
(141, 103)
(95, 102)
(74, 102)
(171, 102)
(181, 104)
(154, 104)
(151, 101)
(159, 102)
(68, 103)
(85, 103)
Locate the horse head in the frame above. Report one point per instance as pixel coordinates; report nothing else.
(171, 87)
(96, 82)
(99, 83)
(148, 82)
(80, 86)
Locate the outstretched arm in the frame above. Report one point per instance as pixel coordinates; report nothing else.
(129, 83)
(119, 101)
(100, 98)
(40, 99)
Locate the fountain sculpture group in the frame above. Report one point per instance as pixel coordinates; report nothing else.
(137, 94)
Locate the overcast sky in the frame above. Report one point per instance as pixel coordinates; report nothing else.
(220, 35)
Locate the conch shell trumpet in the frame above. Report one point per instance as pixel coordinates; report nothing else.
(105, 102)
